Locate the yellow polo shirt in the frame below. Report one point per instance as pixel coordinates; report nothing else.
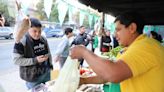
(145, 57)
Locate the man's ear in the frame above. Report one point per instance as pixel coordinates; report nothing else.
(133, 27)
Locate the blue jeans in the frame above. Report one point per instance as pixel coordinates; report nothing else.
(42, 79)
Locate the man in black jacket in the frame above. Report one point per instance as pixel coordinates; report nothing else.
(81, 39)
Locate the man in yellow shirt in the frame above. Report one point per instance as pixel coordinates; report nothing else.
(139, 69)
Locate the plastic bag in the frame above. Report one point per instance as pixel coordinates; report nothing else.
(69, 77)
(21, 26)
(1, 89)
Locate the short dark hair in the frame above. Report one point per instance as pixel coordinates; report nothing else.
(156, 36)
(35, 22)
(131, 17)
(153, 33)
(81, 26)
(68, 30)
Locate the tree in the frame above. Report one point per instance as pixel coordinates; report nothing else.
(66, 19)
(54, 14)
(9, 21)
(40, 10)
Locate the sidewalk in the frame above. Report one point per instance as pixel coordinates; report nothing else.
(11, 82)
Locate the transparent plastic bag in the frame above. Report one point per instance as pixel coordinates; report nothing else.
(21, 26)
(69, 77)
(1, 89)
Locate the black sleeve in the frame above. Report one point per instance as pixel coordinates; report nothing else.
(73, 42)
(18, 48)
(109, 39)
(77, 40)
(86, 40)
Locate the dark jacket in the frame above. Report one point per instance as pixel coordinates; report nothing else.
(81, 39)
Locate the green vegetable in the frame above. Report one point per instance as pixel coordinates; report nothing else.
(113, 53)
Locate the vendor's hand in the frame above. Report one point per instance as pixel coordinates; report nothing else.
(42, 58)
(81, 81)
(77, 51)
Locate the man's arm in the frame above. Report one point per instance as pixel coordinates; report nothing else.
(107, 70)
(86, 42)
(21, 61)
(18, 56)
(92, 80)
(87, 39)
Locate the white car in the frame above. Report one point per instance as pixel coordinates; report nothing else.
(6, 32)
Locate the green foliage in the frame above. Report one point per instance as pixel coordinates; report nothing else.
(66, 19)
(9, 21)
(40, 9)
(54, 14)
(113, 52)
(3, 8)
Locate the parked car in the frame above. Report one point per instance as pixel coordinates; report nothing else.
(56, 31)
(6, 32)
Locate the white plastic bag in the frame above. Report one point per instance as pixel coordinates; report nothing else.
(69, 77)
(1, 89)
(21, 26)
